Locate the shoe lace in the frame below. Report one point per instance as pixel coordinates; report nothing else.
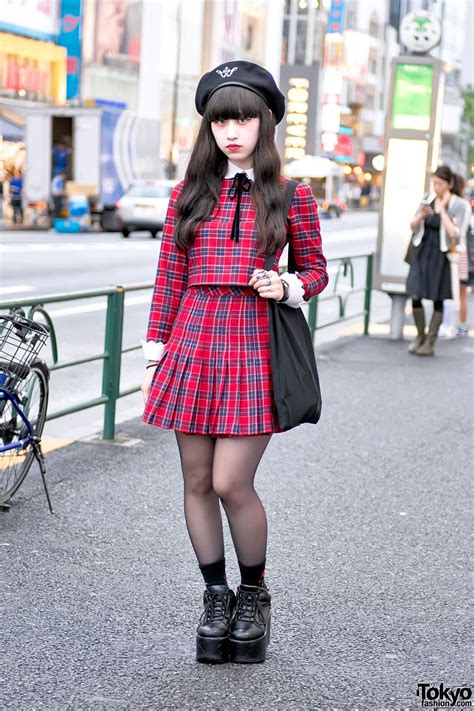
(217, 606)
(247, 607)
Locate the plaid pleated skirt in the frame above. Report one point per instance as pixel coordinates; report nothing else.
(215, 374)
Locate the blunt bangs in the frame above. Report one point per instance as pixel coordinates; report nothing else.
(234, 102)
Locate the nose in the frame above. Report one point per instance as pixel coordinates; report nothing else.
(232, 131)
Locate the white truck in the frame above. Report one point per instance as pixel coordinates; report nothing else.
(109, 149)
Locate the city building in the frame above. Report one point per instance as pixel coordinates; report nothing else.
(209, 33)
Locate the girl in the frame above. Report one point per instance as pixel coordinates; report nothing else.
(441, 218)
(209, 370)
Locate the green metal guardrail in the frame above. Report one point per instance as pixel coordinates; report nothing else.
(344, 266)
(113, 346)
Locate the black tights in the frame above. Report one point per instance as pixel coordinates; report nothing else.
(437, 305)
(223, 468)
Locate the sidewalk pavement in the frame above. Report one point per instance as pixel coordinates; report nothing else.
(367, 560)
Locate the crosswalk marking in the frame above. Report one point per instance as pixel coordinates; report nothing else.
(18, 289)
(329, 237)
(76, 310)
(96, 246)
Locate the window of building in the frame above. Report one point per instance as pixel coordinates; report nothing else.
(351, 16)
(374, 25)
(300, 49)
(372, 61)
(284, 44)
(370, 98)
(303, 7)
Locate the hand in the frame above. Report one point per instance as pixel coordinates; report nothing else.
(444, 201)
(146, 384)
(426, 210)
(267, 284)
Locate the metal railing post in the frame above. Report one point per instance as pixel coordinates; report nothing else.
(112, 362)
(368, 294)
(313, 316)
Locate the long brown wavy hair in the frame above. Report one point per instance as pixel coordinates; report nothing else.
(456, 182)
(208, 165)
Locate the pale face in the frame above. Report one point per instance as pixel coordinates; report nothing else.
(440, 186)
(237, 139)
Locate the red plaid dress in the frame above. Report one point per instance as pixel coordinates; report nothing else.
(215, 374)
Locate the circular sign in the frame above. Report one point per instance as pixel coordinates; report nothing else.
(420, 31)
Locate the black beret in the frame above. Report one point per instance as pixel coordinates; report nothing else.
(247, 74)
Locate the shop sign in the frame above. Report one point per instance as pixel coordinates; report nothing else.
(420, 31)
(296, 133)
(338, 146)
(26, 81)
(345, 146)
(336, 17)
(356, 55)
(70, 38)
(30, 18)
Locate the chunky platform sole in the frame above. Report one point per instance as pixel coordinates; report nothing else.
(212, 650)
(252, 652)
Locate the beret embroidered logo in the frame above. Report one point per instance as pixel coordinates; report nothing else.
(226, 72)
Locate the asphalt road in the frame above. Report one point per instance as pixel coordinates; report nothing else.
(39, 261)
(34, 263)
(368, 560)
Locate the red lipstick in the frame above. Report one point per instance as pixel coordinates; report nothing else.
(233, 147)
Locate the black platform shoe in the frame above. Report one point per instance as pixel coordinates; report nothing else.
(250, 630)
(212, 638)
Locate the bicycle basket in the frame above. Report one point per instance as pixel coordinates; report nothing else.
(20, 342)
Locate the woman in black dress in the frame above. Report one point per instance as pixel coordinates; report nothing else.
(435, 226)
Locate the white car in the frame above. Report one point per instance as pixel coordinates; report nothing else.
(144, 206)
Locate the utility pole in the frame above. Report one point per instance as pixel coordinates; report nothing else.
(174, 111)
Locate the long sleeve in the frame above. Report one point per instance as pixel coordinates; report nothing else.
(305, 238)
(462, 218)
(171, 279)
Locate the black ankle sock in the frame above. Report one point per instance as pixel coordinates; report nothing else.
(214, 574)
(252, 574)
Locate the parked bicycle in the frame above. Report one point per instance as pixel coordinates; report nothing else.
(24, 390)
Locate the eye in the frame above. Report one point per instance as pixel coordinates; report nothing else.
(245, 120)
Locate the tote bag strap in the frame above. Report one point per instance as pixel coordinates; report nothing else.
(290, 190)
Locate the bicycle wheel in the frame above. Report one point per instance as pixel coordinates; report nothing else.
(33, 394)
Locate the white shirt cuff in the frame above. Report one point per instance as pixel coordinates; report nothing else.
(296, 290)
(152, 350)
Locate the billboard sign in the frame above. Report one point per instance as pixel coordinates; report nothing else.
(336, 17)
(113, 35)
(297, 131)
(37, 19)
(412, 95)
(70, 38)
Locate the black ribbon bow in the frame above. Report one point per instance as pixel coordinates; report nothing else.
(240, 184)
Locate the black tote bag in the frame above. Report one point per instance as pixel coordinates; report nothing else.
(296, 389)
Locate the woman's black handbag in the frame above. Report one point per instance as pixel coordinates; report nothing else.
(409, 253)
(296, 390)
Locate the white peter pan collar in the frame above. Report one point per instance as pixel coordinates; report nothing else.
(232, 169)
